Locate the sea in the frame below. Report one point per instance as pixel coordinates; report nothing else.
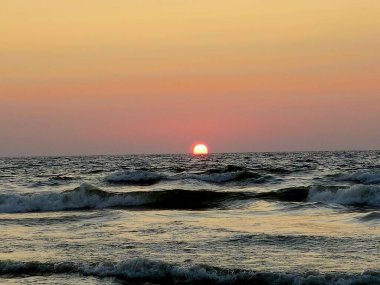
(232, 218)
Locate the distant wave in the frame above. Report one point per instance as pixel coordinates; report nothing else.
(216, 175)
(362, 176)
(223, 177)
(55, 181)
(144, 270)
(134, 177)
(276, 170)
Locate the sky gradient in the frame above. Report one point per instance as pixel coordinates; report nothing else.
(148, 76)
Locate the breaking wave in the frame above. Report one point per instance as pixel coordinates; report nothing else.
(144, 270)
(89, 197)
(357, 195)
(86, 196)
(366, 195)
(362, 176)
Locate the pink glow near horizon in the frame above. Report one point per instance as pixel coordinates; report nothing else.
(159, 123)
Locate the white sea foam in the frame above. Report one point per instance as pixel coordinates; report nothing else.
(362, 176)
(355, 195)
(163, 272)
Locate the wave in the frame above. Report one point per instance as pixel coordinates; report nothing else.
(373, 216)
(362, 176)
(291, 194)
(55, 181)
(134, 177)
(89, 197)
(63, 178)
(223, 177)
(215, 175)
(159, 272)
(231, 173)
(277, 170)
(357, 195)
(84, 197)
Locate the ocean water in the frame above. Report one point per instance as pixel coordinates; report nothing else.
(248, 218)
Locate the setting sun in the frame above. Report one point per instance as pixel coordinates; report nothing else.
(200, 149)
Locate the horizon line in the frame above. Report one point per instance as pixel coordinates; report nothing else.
(185, 153)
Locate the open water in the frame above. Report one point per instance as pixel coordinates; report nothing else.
(247, 218)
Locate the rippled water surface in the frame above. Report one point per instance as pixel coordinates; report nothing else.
(249, 218)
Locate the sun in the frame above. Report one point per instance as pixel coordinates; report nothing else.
(200, 149)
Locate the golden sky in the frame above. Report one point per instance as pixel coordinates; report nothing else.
(147, 76)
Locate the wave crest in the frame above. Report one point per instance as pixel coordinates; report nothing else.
(368, 195)
(84, 197)
(362, 176)
(357, 195)
(89, 197)
(373, 216)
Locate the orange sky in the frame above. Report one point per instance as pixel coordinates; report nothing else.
(118, 76)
